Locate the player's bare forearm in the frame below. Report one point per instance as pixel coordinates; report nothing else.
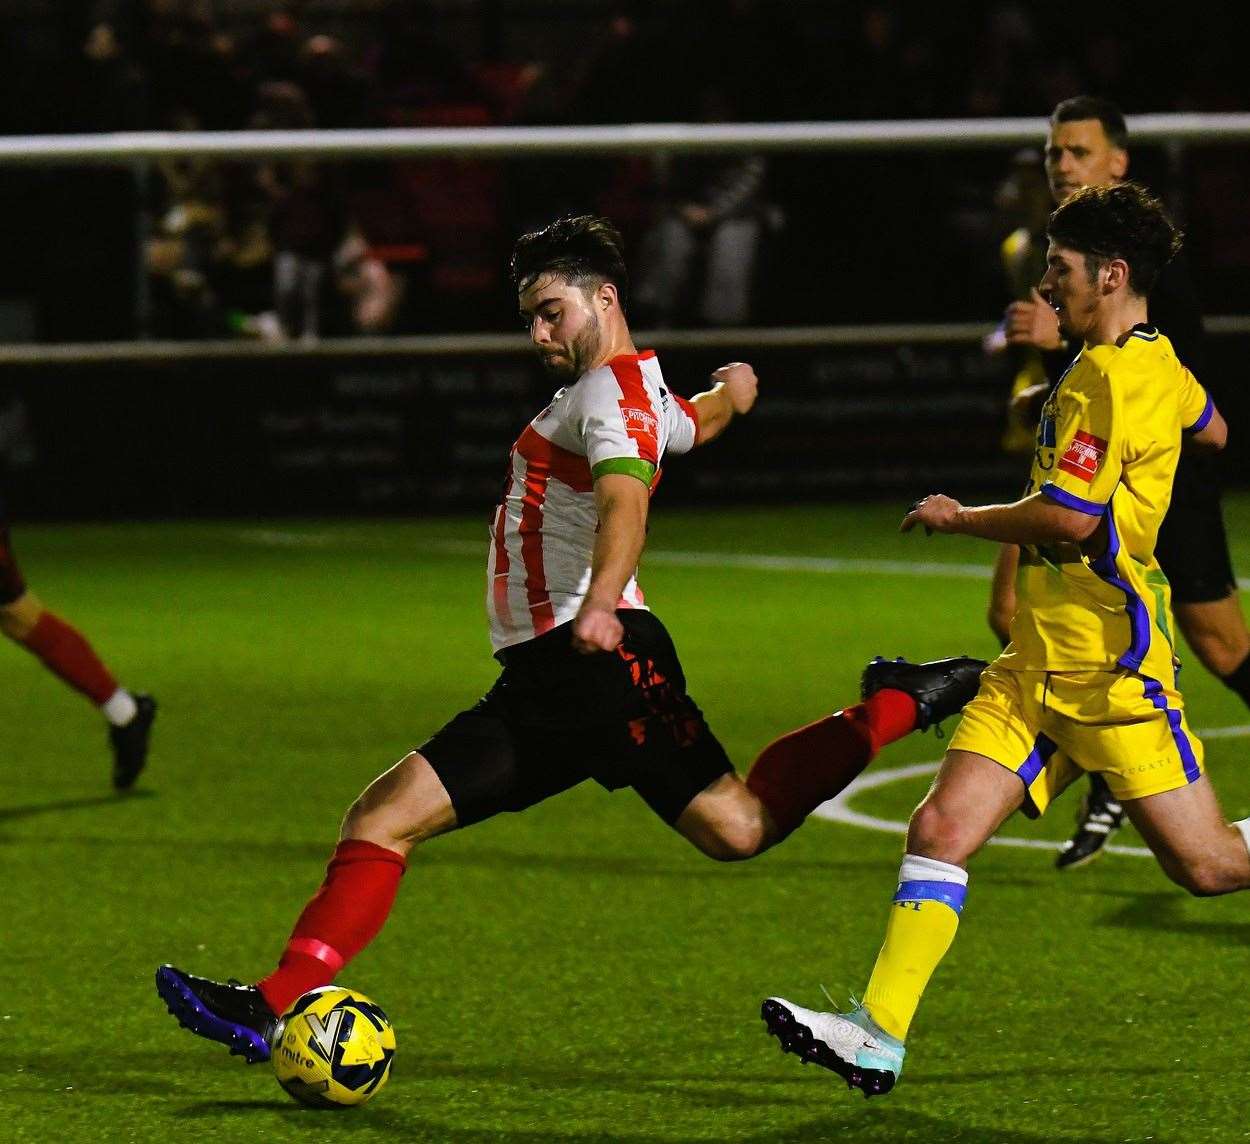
(1211, 438)
(1033, 520)
(733, 391)
(622, 503)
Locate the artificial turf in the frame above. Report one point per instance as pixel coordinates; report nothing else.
(577, 973)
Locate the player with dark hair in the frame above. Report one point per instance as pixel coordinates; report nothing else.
(1087, 146)
(591, 684)
(1088, 681)
(66, 653)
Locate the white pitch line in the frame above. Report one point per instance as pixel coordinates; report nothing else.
(838, 809)
(750, 561)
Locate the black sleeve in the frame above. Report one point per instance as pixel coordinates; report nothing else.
(1175, 312)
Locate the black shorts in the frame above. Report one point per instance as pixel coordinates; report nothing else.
(11, 583)
(1192, 546)
(555, 718)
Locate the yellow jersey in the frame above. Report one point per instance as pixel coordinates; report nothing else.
(1107, 445)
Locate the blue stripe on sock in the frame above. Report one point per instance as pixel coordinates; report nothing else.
(948, 893)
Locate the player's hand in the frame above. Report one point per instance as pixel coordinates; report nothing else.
(596, 629)
(1033, 323)
(741, 385)
(937, 513)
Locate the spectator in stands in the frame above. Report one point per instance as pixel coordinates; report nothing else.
(706, 237)
(308, 220)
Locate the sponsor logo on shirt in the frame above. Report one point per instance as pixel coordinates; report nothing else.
(640, 421)
(1083, 456)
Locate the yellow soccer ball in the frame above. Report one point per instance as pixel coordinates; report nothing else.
(333, 1048)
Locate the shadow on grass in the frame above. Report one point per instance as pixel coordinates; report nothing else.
(1165, 912)
(35, 809)
(470, 857)
(751, 1108)
(874, 1125)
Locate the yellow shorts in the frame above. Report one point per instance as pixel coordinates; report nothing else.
(1049, 726)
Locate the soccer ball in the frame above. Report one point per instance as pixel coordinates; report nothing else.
(333, 1048)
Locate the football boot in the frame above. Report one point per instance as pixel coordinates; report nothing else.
(1098, 817)
(234, 1014)
(130, 743)
(849, 1044)
(940, 687)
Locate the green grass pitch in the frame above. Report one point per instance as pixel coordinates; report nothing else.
(577, 973)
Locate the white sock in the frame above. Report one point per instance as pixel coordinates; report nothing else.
(1244, 826)
(918, 869)
(120, 707)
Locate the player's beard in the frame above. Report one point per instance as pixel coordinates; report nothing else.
(581, 351)
(1074, 320)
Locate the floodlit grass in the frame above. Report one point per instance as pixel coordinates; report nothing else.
(577, 973)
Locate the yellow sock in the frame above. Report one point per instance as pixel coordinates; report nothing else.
(922, 925)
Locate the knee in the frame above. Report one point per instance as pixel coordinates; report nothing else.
(933, 833)
(382, 827)
(18, 619)
(735, 840)
(1209, 878)
(400, 807)
(370, 820)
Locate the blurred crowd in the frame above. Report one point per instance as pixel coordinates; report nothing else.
(303, 250)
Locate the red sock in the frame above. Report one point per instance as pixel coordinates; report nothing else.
(342, 918)
(67, 654)
(799, 771)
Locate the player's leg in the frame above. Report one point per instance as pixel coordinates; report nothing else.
(997, 763)
(483, 762)
(1129, 730)
(731, 819)
(402, 807)
(64, 651)
(680, 769)
(1193, 841)
(1003, 592)
(1216, 631)
(969, 800)
(804, 768)
(1193, 552)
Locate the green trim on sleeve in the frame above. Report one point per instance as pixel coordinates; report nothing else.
(629, 466)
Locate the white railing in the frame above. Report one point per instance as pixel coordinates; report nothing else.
(738, 339)
(124, 148)
(138, 150)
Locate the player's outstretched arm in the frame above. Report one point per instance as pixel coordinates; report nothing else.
(733, 391)
(622, 503)
(1033, 520)
(1211, 438)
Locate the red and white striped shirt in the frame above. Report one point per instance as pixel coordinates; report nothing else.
(619, 418)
